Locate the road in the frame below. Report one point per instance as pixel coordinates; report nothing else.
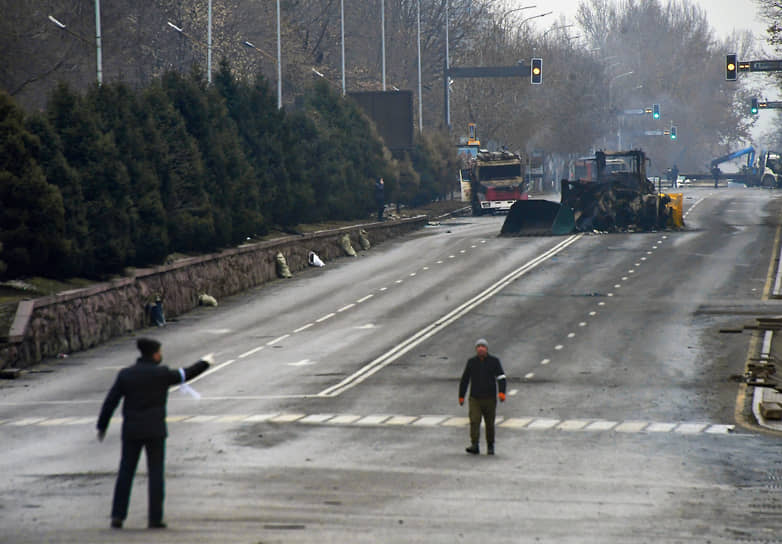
(331, 414)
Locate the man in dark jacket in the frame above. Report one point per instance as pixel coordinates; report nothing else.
(483, 372)
(144, 386)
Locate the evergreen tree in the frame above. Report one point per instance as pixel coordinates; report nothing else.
(179, 166)
(32, 221)
(60, 173)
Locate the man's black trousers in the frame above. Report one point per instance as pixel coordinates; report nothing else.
(131, 450)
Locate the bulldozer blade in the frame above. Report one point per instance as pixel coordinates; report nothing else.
(564, 222)
(530, 218)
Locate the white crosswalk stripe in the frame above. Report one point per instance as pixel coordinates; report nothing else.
(384, 420)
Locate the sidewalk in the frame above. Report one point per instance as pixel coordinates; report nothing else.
(766, 394)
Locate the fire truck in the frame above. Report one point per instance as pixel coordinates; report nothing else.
(490, 180)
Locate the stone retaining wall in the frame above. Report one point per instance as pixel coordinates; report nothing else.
(83, 318)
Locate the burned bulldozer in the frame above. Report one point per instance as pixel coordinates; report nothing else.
(611, 194)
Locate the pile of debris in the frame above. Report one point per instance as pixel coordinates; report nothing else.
(612, 206)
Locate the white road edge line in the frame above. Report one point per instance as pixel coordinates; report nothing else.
(430, 330)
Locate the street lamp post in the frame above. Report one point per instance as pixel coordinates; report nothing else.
(534, 17)
(98, 46)
(279, 59)
(342, 37)
(383, 38)
(99, 63)
(209, 44)
(610, 105)
(557, 27)
(420, 102)
(446, 77)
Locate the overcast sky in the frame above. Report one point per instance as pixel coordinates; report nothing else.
(724, 15)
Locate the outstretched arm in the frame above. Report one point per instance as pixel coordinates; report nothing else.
(109, 405)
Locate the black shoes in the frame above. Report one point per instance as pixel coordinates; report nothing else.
(157, 525)
(116, 523)
(473, 449)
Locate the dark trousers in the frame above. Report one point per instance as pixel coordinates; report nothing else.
(380, 209)
(486, 408)
(131, 450)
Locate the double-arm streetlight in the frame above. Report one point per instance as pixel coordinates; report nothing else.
(556, 27)
(98, 46)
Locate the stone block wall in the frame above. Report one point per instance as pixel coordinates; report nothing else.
(83, 318)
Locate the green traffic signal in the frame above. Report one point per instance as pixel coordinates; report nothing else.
(754, 107)
(673, 133)
(655, 111)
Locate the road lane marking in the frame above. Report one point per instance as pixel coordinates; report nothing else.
(631, 426)
(525, 423)
(572, 425)
(325, 317)
(545, 361)
(601, 426)
(316, 418)
(572, 334)
(559, 347)
(400, 420)
(529, 375)
(375, 419)
(303, 362)
(430, 421)
(542, 423)
(582, 324)
(512, 392)
(280, 338)
(345, 308)
(383, 289)
(593, 314)
(430, 330)
(364, 299)
(305, 327)
(248, 353)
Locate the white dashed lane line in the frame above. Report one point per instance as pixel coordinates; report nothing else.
(511, 423)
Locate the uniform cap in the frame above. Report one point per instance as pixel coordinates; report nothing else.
(481, 342)
(147, 346)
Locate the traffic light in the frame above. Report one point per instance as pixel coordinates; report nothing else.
(673, 133)
(655, 111)
(536, 73)
(731, 67)
(754, 107)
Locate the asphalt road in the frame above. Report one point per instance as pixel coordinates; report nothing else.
(332, 416)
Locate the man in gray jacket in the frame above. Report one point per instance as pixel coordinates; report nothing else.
(144, 386)
(483, 373)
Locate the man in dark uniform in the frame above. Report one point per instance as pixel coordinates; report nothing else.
(483, 372)
(144, 387)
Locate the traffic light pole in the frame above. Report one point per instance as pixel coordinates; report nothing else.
(519, 70)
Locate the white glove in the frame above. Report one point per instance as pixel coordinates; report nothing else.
(209, 358)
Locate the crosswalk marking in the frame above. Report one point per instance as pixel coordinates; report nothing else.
(384, 420)
(572, 425)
